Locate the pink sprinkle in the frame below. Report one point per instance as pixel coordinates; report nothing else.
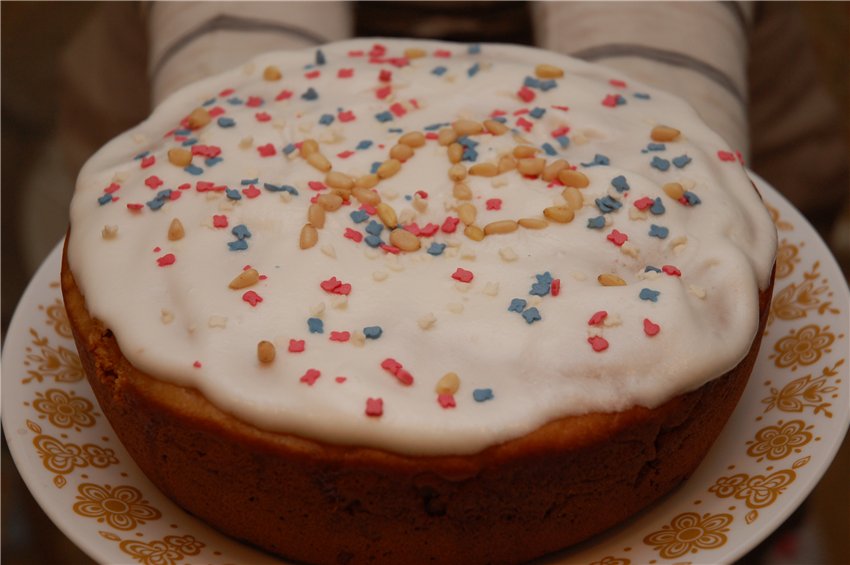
(174, 195)
(497, 113)
(157, 249)
(462, 275)
(347, 116)
(650, 328)
(450, 224)
(428, 229)
(266, 150)
(334, 286)
(284, 94)
(617, 83)
(262, 116)
(671, 270)
(111, 188)
(340, 336)
(251, 192)
(153, 181)
(252, 298)
(398, 109)
(296, 345)
(355, 53)
(312, 74)
(166, 260)
(524, 124)
(617, 238)
(597, 318)
(432, 135)
(598, 343)
(254, 101)
(643, 203)
(442, 53)
(611, 100)
(217, 111)
(345, 73)
(185, 186)
(226, 92)
(390, 365)
(135, 207)
(383, 92)
(556, 287)
(353, 235)
(526, 94)
(446, 400)
(148, 161)
(220, 221)
(374, 407)
(561, 108)
(421, 194)
(494, 204)
(563, 130)
(371, 210)
(404, 377)
(316, 185)
(390, 248)
(345, 154)
(196, 364)
(340, 379)
(413, 228)
(310, 377)
(726, 155)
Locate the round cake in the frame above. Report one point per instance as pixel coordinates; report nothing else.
(409, 301)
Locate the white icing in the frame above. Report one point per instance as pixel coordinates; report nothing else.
(166, 318)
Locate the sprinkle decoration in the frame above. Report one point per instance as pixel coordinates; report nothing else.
(650, 328)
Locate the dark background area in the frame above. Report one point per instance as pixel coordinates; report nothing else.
(34, 37)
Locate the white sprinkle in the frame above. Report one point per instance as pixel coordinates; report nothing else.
(246, 142)
(285, 197)
(119, 176)
(406, 216)
(358, 338)
(687, 183)
(678, 244)
(328, 250)
(535, 301)
(379, 276)
(467, 253)
(455, 308)
(165, 316)
(491, 289)
(612, 321)
(452, 252)
(648, 275)
(697, 291)
(318, 309)
(427, 321)
(217, 322)
(507, 254)
(140, 138)
(305, 126)
(339, 302)
(389, 194)
(248, 69)
(498, 182)
(109, 232)
(635, 214)
(594, 331)
(280, 124)
(420, 204)
(578, 276)
(629, 249)
(370, 253)
(462, 287)
(394, 264)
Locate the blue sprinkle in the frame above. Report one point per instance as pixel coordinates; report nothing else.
(226, 122)
(372, 332)
(235, 101)
(681, 161)
(248, 182)
(532, 315)
(649, 294)
(189, 142)
(239, 245)
(375, 166)
(548, 84)
(656, 147)
(658, 231)
(598, 159)
(359, 216)
(466, 141)
(209, 102)
(501, 119)
(289, 149)
(141, 155)
(469, 154)
(641, 95)
(374, 228)
(692, 198)
(212, 161)
(320, 57)
(373, 240)
(233, 194)
(482, 394)
(620, 100)
(563, 141)
(607, 204)
(545, 278)
(436, 248)
(596, 223)
(540, 289)
(473, 70)
(385, 116)
(547, 147)
(395, 130)
(531, 82)
(365, 144)
(620, 183)
(537, 112)
(310, 94)
(106, 198)
(517, 305)
(659, 163)
(241, 231)
(435, 127)
(290, 189)
(163, 194)
(408, 197)
(657, 207)
(326, 119)
(651, 269)
(474, 49)
(183, 131)
(439, 71)
(315, 325)
(193, 170)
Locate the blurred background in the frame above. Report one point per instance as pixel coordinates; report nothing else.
(43, 148)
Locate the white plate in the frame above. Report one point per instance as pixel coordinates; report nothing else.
(777, 445)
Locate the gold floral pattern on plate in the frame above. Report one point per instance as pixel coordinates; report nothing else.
(805, 346)
(122, 507)
(57, 318)
(797, 300)
(787, 256)
(806, 392)
(58, 363)
(779, 441)
(689, 532)
(166, 551)
(611, 560)
(782, 225)
(65, 409)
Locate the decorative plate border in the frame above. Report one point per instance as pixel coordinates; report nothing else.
(779, 442)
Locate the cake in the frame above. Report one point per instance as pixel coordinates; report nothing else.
(408, 301)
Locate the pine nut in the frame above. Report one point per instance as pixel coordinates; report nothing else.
(336, 179)
(342, 193)
(507, 163)
(461, 191)
(531, 167)
(474, 233)
(179, 156)
(319, 161)
(272, 73)
(524, 151)
(330, 202)
(414, 53)
(560, 214)
(574, 198)
(548, 71)
(573, 178)
(308, 146)
(401, 152)
(448, 384)
(420, 204)
(388, 168)
(199, 118)
(484, 170)
(457, 172)
(674, 190)
(316, 216)
(309, 237)
(175, 230)
(664, 133)
(551, 171)
(413, 139)
(245, 279)
(495, 127)
(467, 127)
(367, 181)
(265, 352)
(455, 152)
(533, 223)
(366, 196)
(607, 279)
(467, 213)
(387, 215)
(501, 226)
(404, 240)
(446, 136)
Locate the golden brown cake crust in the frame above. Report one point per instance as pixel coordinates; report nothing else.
(321, 503)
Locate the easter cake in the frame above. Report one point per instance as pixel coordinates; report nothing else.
(410, 301)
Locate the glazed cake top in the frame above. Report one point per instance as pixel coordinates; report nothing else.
(384, 212)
